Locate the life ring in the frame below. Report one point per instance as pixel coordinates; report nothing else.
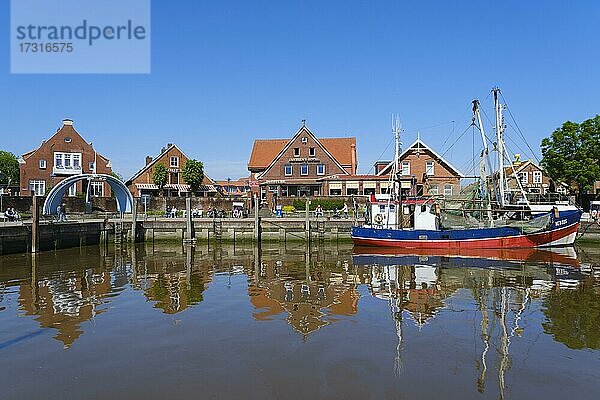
(594, 214)
(379, 218)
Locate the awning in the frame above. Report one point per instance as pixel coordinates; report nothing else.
(178, 186)
(335, 185)
(351, 185)
(207, 188)
(146, 186)
(369, 185)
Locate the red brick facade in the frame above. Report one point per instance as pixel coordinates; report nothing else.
(424, 172)
(173, 159)
(65, 154)
(301, 163)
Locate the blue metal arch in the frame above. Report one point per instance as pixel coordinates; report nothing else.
(122, 194)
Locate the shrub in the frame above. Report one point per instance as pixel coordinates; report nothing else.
(289, 209)
(326, 204)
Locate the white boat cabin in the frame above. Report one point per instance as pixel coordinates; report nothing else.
(392, 214)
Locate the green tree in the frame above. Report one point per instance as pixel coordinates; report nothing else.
(193, 174)
(159, 177)
(9, 167)
(573, 317)
(117, 175)
(572, 154)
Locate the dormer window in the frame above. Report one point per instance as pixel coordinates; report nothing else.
(42, 164)
(296, 151)
(311, 152)
(174, 162)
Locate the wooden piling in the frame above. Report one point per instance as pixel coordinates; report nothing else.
(189, 226)
(133, 221)
(256, 220)
(307, 221)
(35, 225)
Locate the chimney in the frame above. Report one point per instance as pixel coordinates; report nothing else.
(353, 151)
(162, 150)
(169, 145)
(67, 122)
(148, 160)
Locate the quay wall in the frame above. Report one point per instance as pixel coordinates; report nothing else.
(17, 238)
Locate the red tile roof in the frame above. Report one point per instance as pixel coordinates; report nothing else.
(265, 150)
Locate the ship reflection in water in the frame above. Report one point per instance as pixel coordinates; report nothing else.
(287, 322)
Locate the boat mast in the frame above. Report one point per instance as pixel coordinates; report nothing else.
(500, 145)
(396, 129)
(484, 192)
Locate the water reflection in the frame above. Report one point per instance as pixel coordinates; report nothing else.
(502, 303)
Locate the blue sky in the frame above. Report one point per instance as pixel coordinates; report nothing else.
(225, 73)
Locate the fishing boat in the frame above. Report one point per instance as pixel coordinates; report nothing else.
(493, 220)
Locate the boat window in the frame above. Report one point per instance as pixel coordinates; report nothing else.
(381, 208)
(392, 208)
(424, 208)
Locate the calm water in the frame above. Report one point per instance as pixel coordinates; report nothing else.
(165, 323)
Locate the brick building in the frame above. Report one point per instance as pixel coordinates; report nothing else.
(294, 167)
(235, 188)
(142, 184)
(64, 154)
(422, 172)
(532, 177)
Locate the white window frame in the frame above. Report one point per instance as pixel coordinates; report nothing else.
(72, 190)
(285, 170)
(448, 190)
(524, 177)
(302, 167)
(296, 151)
(322, 167)
(94, 189)
(37, 187)
(537, 177)
(405, 167)
(434, 190)
(430, 168)
(312, 151)
(42, 164)
(174, 162)
(61, 159)
(91, 166)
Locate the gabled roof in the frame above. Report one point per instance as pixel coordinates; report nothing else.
(154, 160)
(304, 130)
(71, 131)
(419, 144)
(264, 151)
(521, 167)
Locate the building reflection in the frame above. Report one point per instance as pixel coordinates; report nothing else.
(172, 281)
(64, 298)
(313, 294)
(420, 287)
